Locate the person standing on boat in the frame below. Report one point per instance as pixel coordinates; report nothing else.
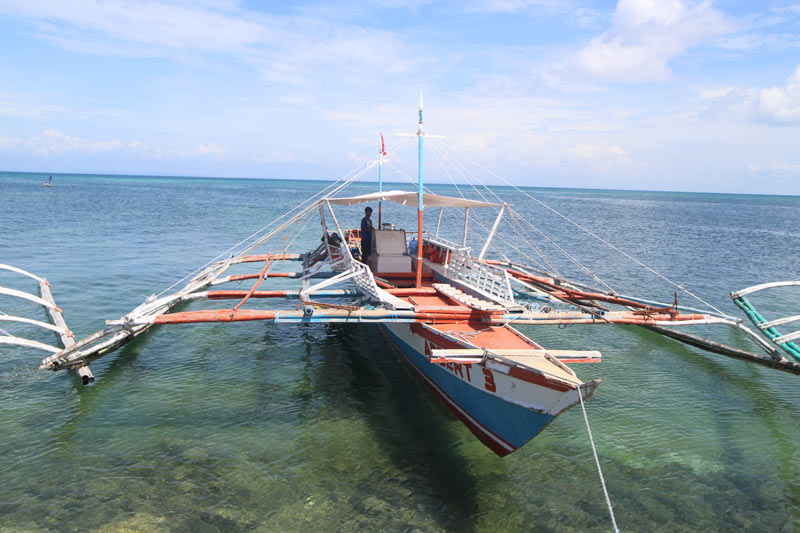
(366, 234)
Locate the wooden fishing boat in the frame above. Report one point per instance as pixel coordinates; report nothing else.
(450, 311)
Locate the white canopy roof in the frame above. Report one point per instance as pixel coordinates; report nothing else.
(410, 198)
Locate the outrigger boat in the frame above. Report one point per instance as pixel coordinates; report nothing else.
(448, 309)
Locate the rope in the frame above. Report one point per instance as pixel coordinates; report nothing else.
(464, 171)
(252, 291)
(587, 230)
(569, 256)
(457, 214)
(597, 462)
(303, 301)
(329, 190)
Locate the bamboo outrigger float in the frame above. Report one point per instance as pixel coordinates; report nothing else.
(448, 311)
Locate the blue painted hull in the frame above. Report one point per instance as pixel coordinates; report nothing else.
(502, 425)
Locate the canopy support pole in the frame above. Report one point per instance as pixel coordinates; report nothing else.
(466, 221)
(491, 233)
(346, 246)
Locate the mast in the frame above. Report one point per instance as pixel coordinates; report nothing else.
(380, 178)
(420, 135)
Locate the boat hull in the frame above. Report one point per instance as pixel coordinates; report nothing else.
(502, 410)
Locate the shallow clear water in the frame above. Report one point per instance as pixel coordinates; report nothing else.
(258, 427)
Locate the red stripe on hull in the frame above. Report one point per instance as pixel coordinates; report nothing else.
(523, 374)
(530, 376)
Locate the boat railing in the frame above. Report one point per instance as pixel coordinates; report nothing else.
(483, 278)
(444, 243)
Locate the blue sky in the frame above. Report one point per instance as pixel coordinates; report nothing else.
(637, 94)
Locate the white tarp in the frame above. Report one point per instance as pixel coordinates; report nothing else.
(410, 198)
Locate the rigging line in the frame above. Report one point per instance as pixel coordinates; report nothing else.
(458, 217)
(344, 181)
(341, 187)
(298, 233)
(516, 237)
(254, 234)
(461, 172)
(586, 269)
(231, 249)
(410, 179)
(403, 173)
(444, 147)
(532, 243)
(530, 239)
(503, 239)
(436, 155)
(583, 228)
(597, 462)
(434, 150)
(450, 214)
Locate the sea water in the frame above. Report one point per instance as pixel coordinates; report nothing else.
(263, 427)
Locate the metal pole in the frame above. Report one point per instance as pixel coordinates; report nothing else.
(466, 220)
(420, 135)
(380, 181)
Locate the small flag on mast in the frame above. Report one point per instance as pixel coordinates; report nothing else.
(383, 147)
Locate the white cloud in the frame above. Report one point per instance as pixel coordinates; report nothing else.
(287, 49)
(211, 149)
(781, 105)
(595, 151)
(51, 143)
(177, 26)
(645, 36)
(513, 6)
(772, 29)
(777, 168)
(716, 92)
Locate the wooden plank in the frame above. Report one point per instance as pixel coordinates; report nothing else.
(56, 317)
(66, 336)
(475, 352)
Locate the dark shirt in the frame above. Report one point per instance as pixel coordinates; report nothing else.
(366, 236)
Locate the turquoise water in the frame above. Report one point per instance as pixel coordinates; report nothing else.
(258, 427)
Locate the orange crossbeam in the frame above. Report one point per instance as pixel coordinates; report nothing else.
(230, 295)
(214, 315)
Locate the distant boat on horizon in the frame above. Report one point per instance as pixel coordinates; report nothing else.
(49, 182)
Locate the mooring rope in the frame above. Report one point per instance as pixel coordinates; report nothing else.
(597, 462)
